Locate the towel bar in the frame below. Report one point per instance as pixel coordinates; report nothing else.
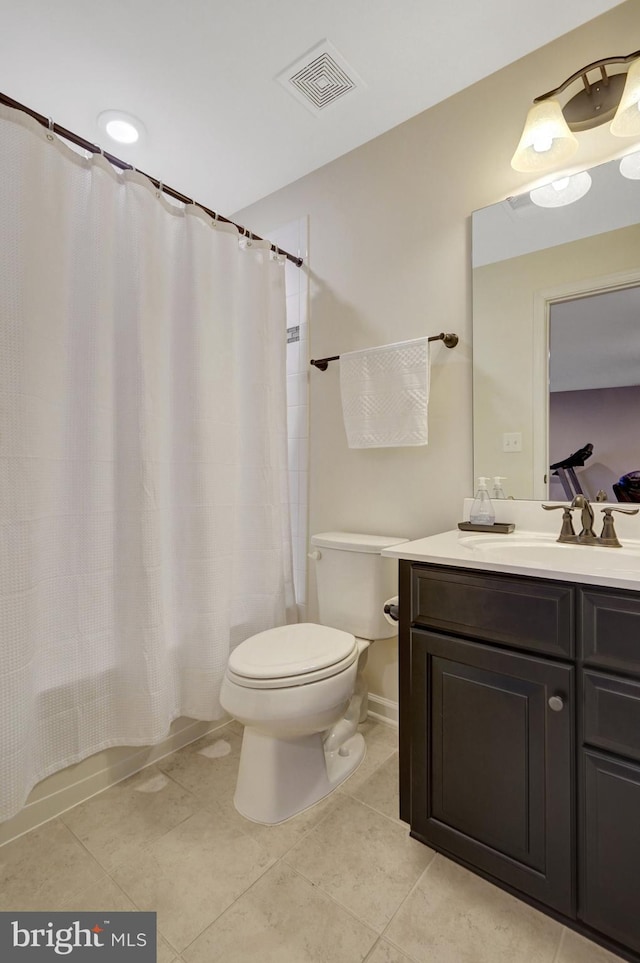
(450, 341)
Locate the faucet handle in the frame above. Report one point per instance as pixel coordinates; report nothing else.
(567, 533)
(608, 536)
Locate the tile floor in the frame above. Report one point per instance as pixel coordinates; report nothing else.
(341, 883)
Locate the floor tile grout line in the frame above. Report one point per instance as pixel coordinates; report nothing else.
(381, 939)
(332, 802)
(351, 911)
(336, 902)
(375, 768)
(409, 894)
(395, 821)
(227, 908)
(108, 872)
(400, 949)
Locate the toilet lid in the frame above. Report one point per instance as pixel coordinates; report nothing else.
(290, 651)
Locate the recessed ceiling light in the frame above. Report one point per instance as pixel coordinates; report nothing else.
(120, 126)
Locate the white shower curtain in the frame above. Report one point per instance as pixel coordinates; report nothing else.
(144, 522)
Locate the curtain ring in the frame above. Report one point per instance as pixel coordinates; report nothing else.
(159, 189)
(50, 135)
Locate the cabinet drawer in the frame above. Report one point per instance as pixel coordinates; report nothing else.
(519, 612)
(611, 629)
(612, 714)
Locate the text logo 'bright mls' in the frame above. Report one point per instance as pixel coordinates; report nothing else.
(42, 936)
(63, 941)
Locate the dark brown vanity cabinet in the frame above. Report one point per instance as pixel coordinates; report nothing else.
(609, 764)
(520, 737)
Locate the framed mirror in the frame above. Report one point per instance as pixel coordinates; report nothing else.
(556, 337)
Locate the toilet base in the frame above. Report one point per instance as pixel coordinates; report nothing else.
(279, 778)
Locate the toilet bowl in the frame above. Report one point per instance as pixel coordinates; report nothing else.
(291, 756)
(299, 690)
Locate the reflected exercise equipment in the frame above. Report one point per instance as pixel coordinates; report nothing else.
(565, 470)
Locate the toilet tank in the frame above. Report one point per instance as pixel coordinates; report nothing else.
(354, 581)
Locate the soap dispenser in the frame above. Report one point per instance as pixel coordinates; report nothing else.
(498, 490)
(482, 512)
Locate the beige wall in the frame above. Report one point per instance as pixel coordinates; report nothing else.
(390, 258)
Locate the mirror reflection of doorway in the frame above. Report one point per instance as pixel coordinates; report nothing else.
(594, 388)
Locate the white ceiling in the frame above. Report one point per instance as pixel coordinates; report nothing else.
(201, 74)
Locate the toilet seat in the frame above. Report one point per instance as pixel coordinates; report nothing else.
(291, 655)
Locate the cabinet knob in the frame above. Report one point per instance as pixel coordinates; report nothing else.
(556, 703)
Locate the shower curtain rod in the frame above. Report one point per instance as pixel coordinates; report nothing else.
(93, 149)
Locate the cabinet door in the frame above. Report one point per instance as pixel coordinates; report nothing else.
(610, 848)
(492, 762)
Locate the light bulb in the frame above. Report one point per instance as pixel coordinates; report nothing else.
(542, 142)
(120, 126)
(122, 131)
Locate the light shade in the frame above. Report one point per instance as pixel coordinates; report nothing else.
(630, 166)
(546, 139)
(626, 122)
(563, 191)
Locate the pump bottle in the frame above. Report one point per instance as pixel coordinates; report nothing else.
(482, 512)
(498, 490)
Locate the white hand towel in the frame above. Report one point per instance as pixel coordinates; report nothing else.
(385, 395)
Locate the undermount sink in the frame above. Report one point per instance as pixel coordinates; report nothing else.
(543, 551)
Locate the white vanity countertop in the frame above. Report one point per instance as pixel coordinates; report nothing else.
(532, 552)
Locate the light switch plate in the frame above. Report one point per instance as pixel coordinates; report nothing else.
(512, 441)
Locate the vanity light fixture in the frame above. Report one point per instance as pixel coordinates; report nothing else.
(565, 190)
(120, 126)
(548, 138)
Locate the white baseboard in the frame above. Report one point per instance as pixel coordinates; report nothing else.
(78, 783)
(383, 710)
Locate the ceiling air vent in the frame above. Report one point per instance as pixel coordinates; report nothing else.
(320, 78)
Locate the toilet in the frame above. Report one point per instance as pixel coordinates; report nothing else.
(299, 690)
